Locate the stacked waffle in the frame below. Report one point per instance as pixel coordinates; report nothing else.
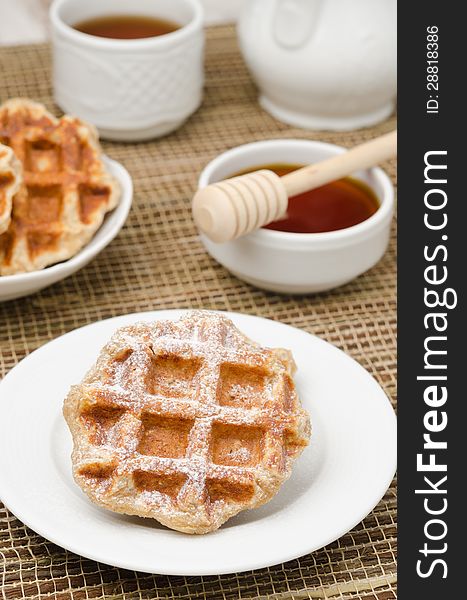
(54, 188)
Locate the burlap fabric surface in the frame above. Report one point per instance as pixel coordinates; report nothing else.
(158, 262)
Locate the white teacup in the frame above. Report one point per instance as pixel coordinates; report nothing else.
(133, 89)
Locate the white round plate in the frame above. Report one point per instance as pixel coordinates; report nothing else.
(22, 284)
(336, 482)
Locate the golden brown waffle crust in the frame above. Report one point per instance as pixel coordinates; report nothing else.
(188, 422)
(10, 181)
(66, 189)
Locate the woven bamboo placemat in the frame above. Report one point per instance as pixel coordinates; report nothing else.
(158, 262)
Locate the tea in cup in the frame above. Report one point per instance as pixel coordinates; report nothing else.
(133, 68)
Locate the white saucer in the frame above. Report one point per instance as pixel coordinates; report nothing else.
(22, 284)
(336, 482)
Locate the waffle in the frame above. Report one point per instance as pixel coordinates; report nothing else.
(10, 179)
(66, 190)
(188, 422)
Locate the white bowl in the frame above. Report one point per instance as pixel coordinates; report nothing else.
(299, 263)
(22, 284)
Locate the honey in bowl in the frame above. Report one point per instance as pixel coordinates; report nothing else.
(126, 27)
(337, 205)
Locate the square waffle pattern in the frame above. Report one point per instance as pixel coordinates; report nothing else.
(66, 190)
(10, 181)
(188, 422)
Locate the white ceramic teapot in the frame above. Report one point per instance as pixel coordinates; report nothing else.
(322, 64)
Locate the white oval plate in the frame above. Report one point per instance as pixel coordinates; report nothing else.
(22, 284)
(336, 482)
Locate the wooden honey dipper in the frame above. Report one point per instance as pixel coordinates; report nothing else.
(228, 209)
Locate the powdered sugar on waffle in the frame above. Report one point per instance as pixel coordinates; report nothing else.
(188, 422)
